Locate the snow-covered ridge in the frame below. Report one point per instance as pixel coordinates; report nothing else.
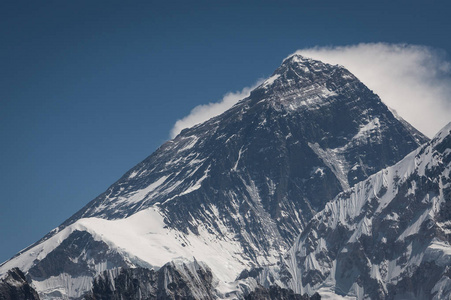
(142, 237)
(384, 231)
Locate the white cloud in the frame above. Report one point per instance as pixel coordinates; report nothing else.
(202, 113)
(413, 80)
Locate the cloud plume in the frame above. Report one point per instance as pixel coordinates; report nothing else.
(202, 113)
(413, 80)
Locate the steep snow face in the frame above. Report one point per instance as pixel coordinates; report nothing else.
(388, 237)
(244, 183)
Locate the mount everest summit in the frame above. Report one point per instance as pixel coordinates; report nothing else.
(291, 182)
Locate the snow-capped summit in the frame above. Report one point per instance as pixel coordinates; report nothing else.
(234, 191)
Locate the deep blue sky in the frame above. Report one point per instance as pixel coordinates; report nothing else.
(90, 88)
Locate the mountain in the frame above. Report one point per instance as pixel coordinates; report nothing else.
(389, 237)
(234, 191)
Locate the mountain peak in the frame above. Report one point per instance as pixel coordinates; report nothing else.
(235, 190)
(297, 71)
(297, 58)
(304, 83)
(306, 64)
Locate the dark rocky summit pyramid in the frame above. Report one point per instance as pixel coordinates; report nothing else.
(234, 191)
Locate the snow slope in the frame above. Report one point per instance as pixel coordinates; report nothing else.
(144, 240)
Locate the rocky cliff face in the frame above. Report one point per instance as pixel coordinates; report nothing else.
(180, 281)
(14, 286)
(274, 292)
(234, 191)
(388, 237)
(172, 281)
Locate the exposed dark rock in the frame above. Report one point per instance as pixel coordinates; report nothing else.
(15, 287)
(275, 292)
(68, 257)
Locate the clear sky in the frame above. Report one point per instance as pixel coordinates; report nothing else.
(90, 88)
